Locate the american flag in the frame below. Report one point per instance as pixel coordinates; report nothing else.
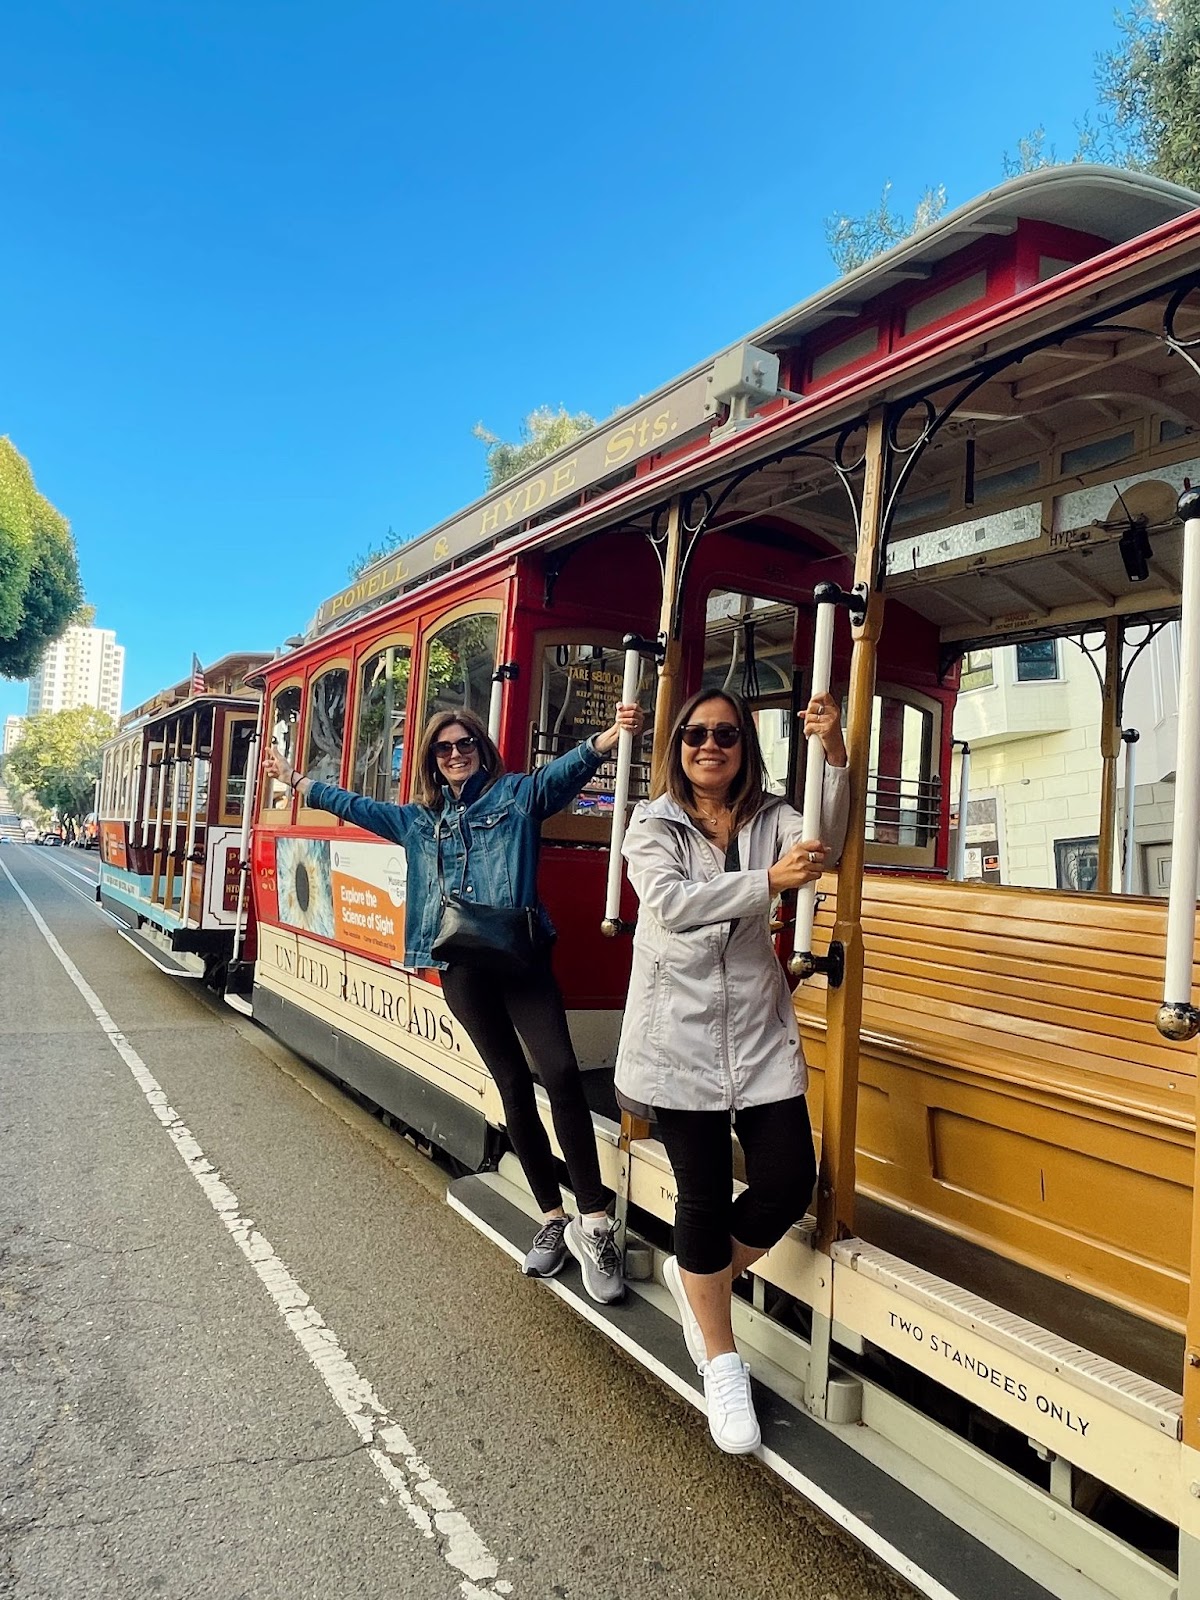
(197, 675)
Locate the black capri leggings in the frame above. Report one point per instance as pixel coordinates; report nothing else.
(781, 1172)
(493, 1011)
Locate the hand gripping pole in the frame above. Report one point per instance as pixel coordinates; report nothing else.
(612, 924)
(826, 597)
(1177, 1017)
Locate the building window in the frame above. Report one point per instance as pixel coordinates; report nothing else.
(1077, 864)
(1037, 661)
(977, 671)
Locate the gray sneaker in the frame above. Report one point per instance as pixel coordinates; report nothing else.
(600, 1260)
(548, 1253)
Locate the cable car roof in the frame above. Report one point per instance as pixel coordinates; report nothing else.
(1099, 201)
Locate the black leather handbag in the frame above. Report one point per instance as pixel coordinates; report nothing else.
(506, 940)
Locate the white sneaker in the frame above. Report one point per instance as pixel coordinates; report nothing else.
(731, 1418)
(692, 1335)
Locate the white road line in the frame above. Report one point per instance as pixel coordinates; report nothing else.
(427, 1504)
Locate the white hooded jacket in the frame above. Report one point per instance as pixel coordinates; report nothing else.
(709, 1023)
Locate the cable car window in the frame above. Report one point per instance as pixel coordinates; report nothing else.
(748, 646)
(904, 791)
(283, 731)
(459, 662)
(326, 725)
(239, 732)
(579, 693)
(383, 680)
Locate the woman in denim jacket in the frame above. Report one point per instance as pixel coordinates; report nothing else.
(489, 824)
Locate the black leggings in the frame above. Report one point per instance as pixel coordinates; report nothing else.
(493, 1011)
(781, 1172)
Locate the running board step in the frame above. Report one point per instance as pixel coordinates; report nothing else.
(931, 1552)
(162, 959)
(1138, 1397)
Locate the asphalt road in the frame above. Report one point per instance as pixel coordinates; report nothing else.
(220, 1278)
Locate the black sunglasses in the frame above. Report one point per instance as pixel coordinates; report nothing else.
(725, 735)
(443, 747)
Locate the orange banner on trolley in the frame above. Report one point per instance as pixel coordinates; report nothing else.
(368, 899)
(112, 845)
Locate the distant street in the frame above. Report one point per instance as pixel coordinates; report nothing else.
(212, 1261)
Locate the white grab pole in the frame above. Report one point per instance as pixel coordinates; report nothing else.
(612, 894)
(964, 791)
(248, 803)
(495, 706)
(1177, 1017)
(148, 792)
(162, 799)
(197, 763)
(1130, 736)
(814, 775)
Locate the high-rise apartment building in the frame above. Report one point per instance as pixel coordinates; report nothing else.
(14, 731)
(83, 668)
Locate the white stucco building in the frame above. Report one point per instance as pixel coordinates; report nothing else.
(83, 668)
(14, 731)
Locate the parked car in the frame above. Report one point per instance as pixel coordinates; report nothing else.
(49, 837)
(88, 837)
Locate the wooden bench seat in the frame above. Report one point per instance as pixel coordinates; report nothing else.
(1013, 1086)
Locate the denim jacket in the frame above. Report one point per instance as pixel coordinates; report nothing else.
(490, 839)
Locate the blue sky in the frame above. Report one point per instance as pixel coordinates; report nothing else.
(267, 262)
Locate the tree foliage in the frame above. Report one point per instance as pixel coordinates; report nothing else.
(373, 553)
(543, 431)
(853, 241)
(58, 759)
(1149, 120)
(39, 572)
(1150, 90)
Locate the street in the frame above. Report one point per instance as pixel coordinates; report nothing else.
(246, 1350)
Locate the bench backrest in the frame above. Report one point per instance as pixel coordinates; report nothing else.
(979, 972)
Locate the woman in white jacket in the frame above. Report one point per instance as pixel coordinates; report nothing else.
(709, 1032)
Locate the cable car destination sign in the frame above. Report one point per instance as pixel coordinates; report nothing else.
(664, 422)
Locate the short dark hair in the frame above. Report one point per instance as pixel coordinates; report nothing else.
(749, 787)
(427, 782)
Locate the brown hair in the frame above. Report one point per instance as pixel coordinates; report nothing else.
(427, 781)
(748, 789)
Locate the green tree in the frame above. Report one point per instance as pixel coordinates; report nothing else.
(373, 553)
(543, 432)
(853, 241)
(58, 759)
(1150, 91)
(39, 572)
